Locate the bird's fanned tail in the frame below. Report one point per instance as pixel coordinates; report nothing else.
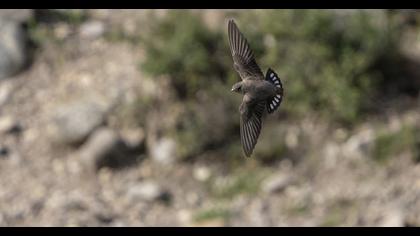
(274, 102)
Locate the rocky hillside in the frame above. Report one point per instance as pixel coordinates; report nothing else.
(125, 118)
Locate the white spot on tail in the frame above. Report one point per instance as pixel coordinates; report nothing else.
(277, 100)
(272, 75)
(271, 106)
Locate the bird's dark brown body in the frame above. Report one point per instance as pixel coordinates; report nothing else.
(259, 89)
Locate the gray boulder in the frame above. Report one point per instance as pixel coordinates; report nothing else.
(13, 42)
(8, 125)
(277, 183)
(74, 122)
(92, 29)
(164, 151)
(105, 148)
(147, 191)
(16, 15)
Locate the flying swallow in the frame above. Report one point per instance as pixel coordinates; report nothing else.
(259, 92)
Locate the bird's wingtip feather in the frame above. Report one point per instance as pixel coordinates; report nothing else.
(231, 21)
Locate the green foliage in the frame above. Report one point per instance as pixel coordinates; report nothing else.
(300, 209)
(329, 64)
(69, 16)
(36, 33)
(181, 46)
(240, 182)
(332, 65)
(339, 211)
(332, 220)
(132, 114)
(388, 145)
(211, 214)
(195, 130)
(41, 26)
(270, 146)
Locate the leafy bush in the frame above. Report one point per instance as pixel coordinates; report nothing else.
(332, 65)
(329, 63)
(40, 26)
(212, 214)
(244, 180)
(390, 144)
(181, 46)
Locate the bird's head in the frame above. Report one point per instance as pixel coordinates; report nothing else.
(237, 88)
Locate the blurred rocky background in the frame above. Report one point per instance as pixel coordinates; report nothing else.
(125, 118)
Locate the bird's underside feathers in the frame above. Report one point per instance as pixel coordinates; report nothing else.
(274, 102)
(243, 56)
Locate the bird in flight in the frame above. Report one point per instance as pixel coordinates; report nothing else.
(259, 91)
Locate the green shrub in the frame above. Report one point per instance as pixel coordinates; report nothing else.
(243, 181)
(181, 46)
(388, 144)
(40, 26)
(211, 214)
(331, 65)
(334, 66)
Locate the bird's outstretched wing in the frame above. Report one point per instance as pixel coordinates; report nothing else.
(250, 124)
(243, 57)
